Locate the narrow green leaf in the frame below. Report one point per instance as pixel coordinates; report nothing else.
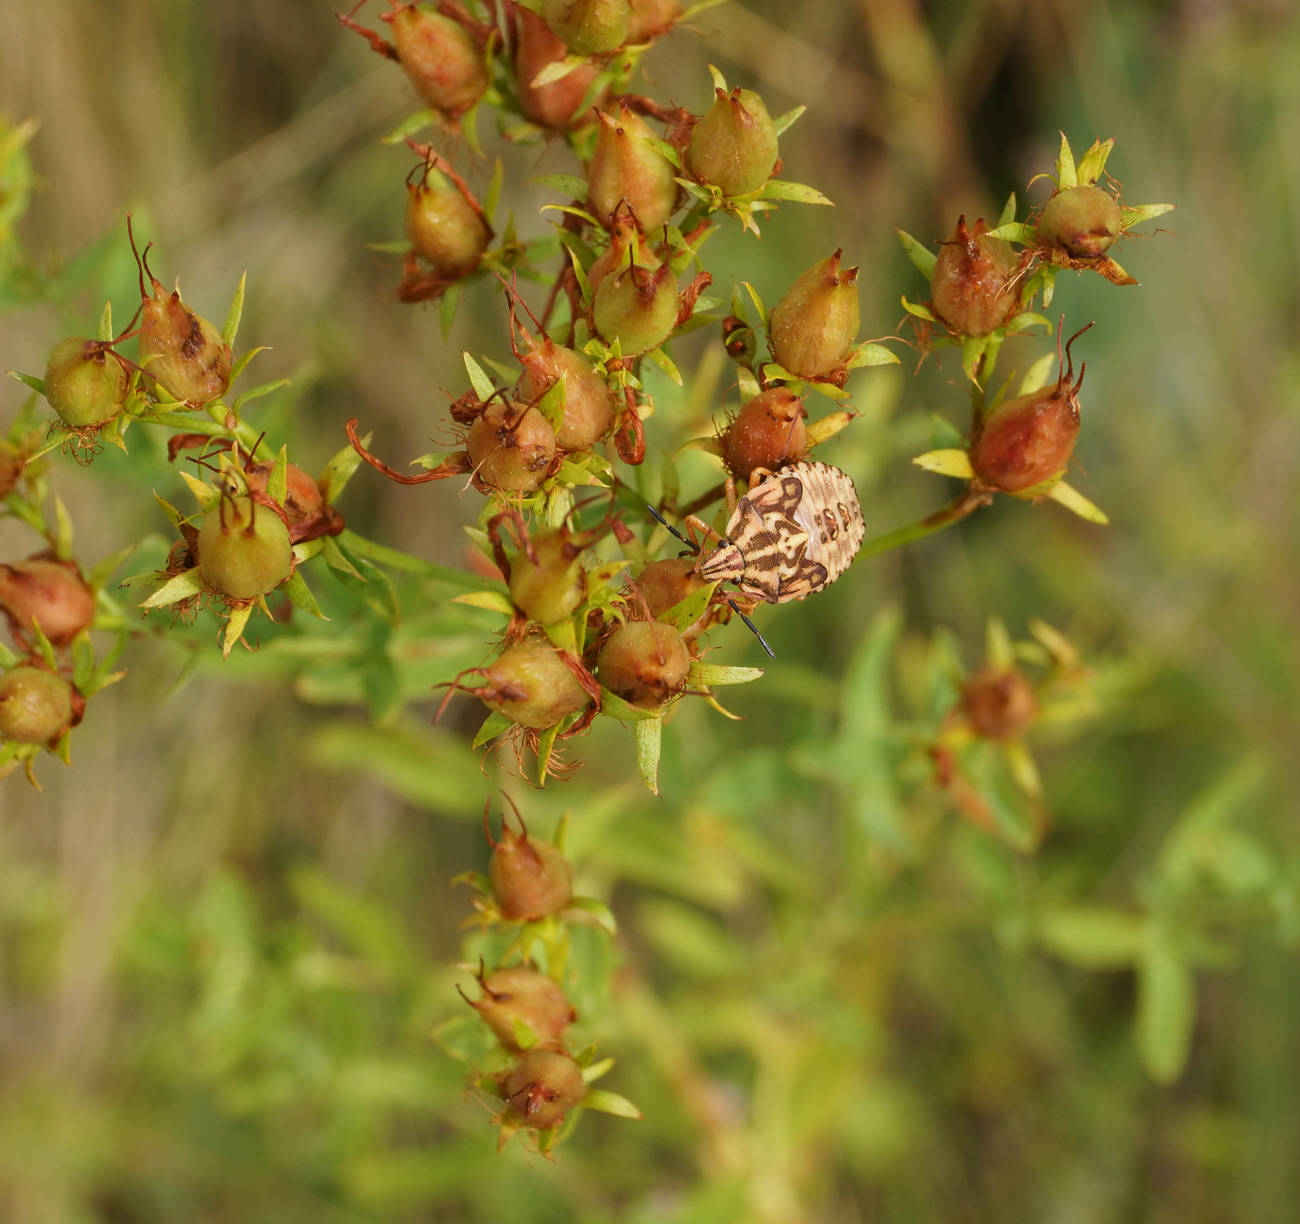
(1135, 215)
(448, 307)
(493, 725)
(235, 628)
(182, 586)
(277, 483)
(921, 256)
(491, 601)
(551, 405)
(235, 313)
(1016, 231)
(611, 1103)
(36, 384)
(666, 364)
(920, 311)
(567, 184)
(1008, 211)
(615, 707)
(1075, 501)
(493, 196)
(649, 740)
(1066, 175)
(776, 189)
(686, 612)
(950, 462)
(869, 354)
(715, 674)
(105, 330)
(481, 383)
(557, 70)
(300, 595)
(719, 81)
(784, 121)
(63, 530)
(1093, 937)
(1166, 1007)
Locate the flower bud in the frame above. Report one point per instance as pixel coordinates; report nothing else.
(588, 27)
(443, 228)
(644, 662)
(973, 288)
(179, 349)
(35, 705)
(549, 588)
(243, 549)
(636, 307)
(524, 996)
(531, 879)
(813, 327)
(1000, 703)
(555, 105)
(511, 447)
(734, 144)
(768, 432)
(50, 595)
(588, 409)
(84, 382)
(625, 165)
(532, 686)
(542, 1087)
(1028, 440)
(1082, 221)
(439, 56)
(650, 18)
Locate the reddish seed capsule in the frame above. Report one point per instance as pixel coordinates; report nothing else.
(1000, 703)
(973, 288)
(542, 1087)
(651, 18)
(588, 409)
(439, 57)
(664, 584)
(529, 998)
(624, 236)
(1082, 221)
(1027, 441)
(813, 327)
(84, 383)
(244, 549)
(636, 307)
(588, 27)
(532, 686)
(511, 447)
(443, 228)
(559, 104)
(767, 432)
(734, 144)
(644, 662)
(48, 594)
(303, 498)
(627, 168)
(35, 705)
(531, 879)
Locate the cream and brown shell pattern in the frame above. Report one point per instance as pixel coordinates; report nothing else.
(792, 534)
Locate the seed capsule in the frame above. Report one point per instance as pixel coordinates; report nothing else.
(531, 879)
(636, 307)
(543, 1086)
(624, 235)
(84, 383)
(794, 534)
(439, 57)
(644, 662)
(768, 432)
(651, 18)
(588, 409)
(973, 287)
(35, 705)
(734, 144)
(588, 27)
(626, 166)
(813, 327)
(559, 104)
(1082, 221)
(548, 585)
(443, 228)
(1000, 703)
(243, 549)
(50, 595)
(511, 447)
(529, 998)
(532, 686)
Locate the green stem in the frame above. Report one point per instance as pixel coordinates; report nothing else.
(970, 501)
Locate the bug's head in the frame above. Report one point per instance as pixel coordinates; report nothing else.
(722, 564)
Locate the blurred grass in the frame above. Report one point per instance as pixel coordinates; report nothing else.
(815, 1029)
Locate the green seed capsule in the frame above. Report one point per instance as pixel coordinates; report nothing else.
(973, 289)
(85, 384)
(636, 307)
(48, 594)
(644, 662)
(443, 228)
(439, 58)
(1082, 221)
(551, 587)
(35, 705)
(588, 27)
(244, 549)
(734, 144)
(813, 327)
(626, 168)
(543, 1086)
(588, 409)
(532, 686)
(511, 447)
(524, 996)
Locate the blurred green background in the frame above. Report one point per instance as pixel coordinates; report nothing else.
(227, 932)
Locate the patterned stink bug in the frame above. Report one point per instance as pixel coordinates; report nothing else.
(794, 532)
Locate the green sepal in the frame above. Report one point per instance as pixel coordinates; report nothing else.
(234, 314)
(649, 741)
(923, 259)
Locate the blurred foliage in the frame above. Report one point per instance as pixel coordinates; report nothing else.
(227, 936)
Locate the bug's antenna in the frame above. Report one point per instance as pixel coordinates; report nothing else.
(695, 548)
(749, 624)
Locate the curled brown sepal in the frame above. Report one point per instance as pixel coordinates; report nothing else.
(329, 522)
(590, 685)
(263, 498)
(457, 465)
(479, 31)
(629, 441)
(689, 296)
(376, 41)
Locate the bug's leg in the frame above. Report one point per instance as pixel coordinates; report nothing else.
(698, 526)
(731, 496)
(758, 475)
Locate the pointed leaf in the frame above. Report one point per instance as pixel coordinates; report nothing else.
(235, 628)
(776, 189)
(1066, 176)
(1073, 500)
(1166, 1007)
(715, 674)
(105, 331)
(783, 121)
(649, 740)
(235, 313)
(947, 463)
(610, 1102)
(183, 586)
(1135, 215)
(1008, 211)
(921, 256)
(300, 595)
(481, 383)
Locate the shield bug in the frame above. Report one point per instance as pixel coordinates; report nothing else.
(794, 532)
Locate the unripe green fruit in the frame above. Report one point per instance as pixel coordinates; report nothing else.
(767, 433)
(588, 409)
(626, 166)
(1027, 440)
(543, 1086)
(624, 236)
(644, 662)
(529, 997)
(531, 879)
(48, 594)
(511, 447)
(734, 144)
(85, 384)
(813, 327)
(1082, 221)
(182, 351)
(35, 705)
(1000, 703)
(532, 686)
(973, 288)
(636, 307)
(244, 549)
(549, 589)
(443, 228)
(439, 57)
(559, 104)
(650, 18)
(588, 27)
